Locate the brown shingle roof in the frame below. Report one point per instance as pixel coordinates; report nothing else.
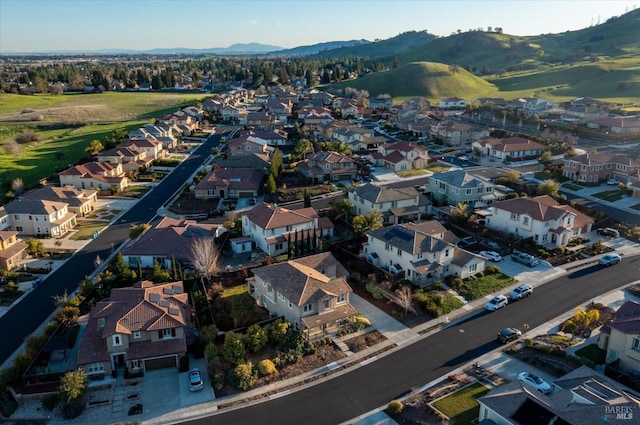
(270, 216)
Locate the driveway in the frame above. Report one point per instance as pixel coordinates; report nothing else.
(167, 390)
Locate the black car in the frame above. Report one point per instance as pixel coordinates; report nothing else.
(216, 213)
(508, 334)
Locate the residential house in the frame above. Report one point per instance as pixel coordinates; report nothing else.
(514, 148)
(312, 117)
(582, 396)
(4, 218)
(131, 159)
(536, 106)
(403, 155)
(620, 338)
(490, 101)
(460, 187)
(95, 175)
(247, 145)
(260, 120)
(12, 250)
(80, 202)
(194, 112)
(310, 292)
(352, 134)
(275, 137)
(349, 108)
(270, 226)
(331, 166)
(453, 103)
(279, 108)
(153, 148)
(234, 115)
(324, 97)
(616, 125)
(213, 105)
(380, 102)
(541, 218)
(38, 217)
(230, 183)
(459, 134)
(397, 205)
(138, 328)
(168, 240)
(597, 167)
(256, 161)
(423, 253)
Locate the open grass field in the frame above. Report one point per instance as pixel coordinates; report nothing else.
(67, 124)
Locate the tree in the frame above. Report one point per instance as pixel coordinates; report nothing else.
(255, 338)
(17, 186)
(94, 148)
(341, 208)
(405, 298)
(243, 376)
(307, 199)
(159, 274)
(233, 348)
(121, 269)
(73, 385)
(454, 68)
(204, 256)
(303, 147)
(362, 224)
(35, 247)
(271, 185)
(549, 187)
(545, 158)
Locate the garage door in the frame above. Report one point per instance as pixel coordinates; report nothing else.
(245, 194)
(160, 363)
(345, 177)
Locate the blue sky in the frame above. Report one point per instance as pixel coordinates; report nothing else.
(47, 25)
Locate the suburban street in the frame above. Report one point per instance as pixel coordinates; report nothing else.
(24, 318)
(361, 389)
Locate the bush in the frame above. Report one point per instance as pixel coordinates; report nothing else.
(7, 404)
(50, 402)
(266, 367)
(375, 292)
(395, 407)
(243, 376)
(492, 270)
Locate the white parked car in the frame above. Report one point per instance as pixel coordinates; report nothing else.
(195, 380)
(521, 291)
(612, 182)
(534, 382)
(491, 255)
(496, 303)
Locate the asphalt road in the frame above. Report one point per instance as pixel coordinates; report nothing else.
(368, 387)
(23, 319)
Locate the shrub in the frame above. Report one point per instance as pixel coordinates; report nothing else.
(492, 269)
(49, 402)
(266, 367)
(375, 292)
(7, 404)
(395, 407)
(243, 376)
(233, 348)
(255, 338)
(528, 342)
(361, 322)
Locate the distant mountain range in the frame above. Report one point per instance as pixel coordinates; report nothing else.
(234, 49)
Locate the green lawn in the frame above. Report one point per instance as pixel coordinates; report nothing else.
(86, 228)
(609, 195)
(472, 289)
(411, 173)
(437, 168)
(592, 352)
(462, 407)
(572, 186)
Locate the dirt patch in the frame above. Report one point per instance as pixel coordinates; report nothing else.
(364, 341)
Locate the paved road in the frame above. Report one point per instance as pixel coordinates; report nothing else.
(23, 319)
(368, 387)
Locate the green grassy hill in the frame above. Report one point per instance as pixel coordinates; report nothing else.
(392, 46)
(431, 80)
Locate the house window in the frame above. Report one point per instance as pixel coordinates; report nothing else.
(394, 204)
(514, 216)
(135, 364)
(167, 333)
(269, 288)
(326, 304)
(136, 335)
(342, 298)
(95, 367)
(636, 344)
(387, 246)
(525, 220)
(290, 305)
(473, 267)
(280, 296)
(307, 308)
(468, 191)
(101, 322)
(399, 252)
(117, 340)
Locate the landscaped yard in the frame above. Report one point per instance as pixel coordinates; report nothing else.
(609, 195)
(462, 407)
(474, 288)
(411, 173)
(86, 229)
(437, 168)
(572, 186)
(592, 352)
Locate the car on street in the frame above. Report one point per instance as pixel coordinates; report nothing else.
(490, 255)
(216, 213)
(496, 303)
(524, 258)
(609, 259)
(535, 382)
(608, 231)
(463, 158)
(195, 380)
(507, 335)
(521, 291)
